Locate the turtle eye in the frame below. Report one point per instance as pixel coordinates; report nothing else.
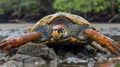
(60, 30)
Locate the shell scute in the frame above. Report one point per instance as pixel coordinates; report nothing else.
(75, 19)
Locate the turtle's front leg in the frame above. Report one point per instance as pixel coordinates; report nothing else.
(108, 43)
(98, 47)
(9, 43)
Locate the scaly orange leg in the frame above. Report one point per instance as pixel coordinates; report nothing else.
(18, 41)
(110, 44)
(98, 47)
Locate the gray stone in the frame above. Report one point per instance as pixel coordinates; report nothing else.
(24, 61)
(37, 50)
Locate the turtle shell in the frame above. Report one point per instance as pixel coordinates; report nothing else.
(47, 20)
(73, 23)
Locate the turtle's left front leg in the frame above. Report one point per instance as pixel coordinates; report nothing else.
(108, 43)
(98, 47)
(9, 43)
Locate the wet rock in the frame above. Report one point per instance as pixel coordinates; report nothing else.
(20, 60)
(69, 54)
(29, 55)
(26, 58)
(80, 55)
(2, 61)
(72, 60)
(37, 50)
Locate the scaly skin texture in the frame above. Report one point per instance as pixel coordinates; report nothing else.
(103, 40)
(16, 42)
(64, 28)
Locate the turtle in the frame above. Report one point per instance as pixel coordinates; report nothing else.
(64, 28)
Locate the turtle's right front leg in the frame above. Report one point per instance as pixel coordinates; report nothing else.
(7, 44)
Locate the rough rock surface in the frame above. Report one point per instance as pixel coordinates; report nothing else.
(37, 50)
(38, 55)
(29, 55)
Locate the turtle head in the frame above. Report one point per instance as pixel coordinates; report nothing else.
(59, 31)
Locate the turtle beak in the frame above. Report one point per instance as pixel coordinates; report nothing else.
(55, 33)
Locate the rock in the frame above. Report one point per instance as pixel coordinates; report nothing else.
(20, 60)
(37, 50)
(30, 55)
(2, 61)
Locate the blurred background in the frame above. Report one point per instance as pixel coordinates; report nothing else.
(18, 15)
(20, 11)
